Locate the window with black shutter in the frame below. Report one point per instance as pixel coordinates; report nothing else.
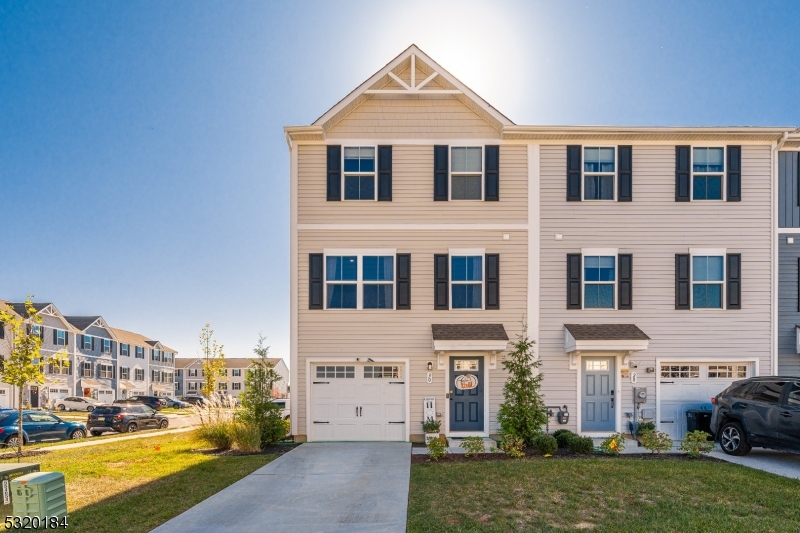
(440, 173)
(682, 282)
(733, 273)
(384, 173)
(334, 173)
(403, 281)
(441, 278)
(574, 173)
(315, 281)
(492, 174)
(734, 173)
(492, 281)
(625, 287)
(683, 173)
(574, 281)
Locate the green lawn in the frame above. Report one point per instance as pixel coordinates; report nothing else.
(599, 494)
(130, 486)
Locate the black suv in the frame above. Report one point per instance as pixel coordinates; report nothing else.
(153, 402)
(763, 411)
(124, 419)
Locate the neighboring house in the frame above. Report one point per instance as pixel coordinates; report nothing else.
(637, 258)
(162, 369)
(95, 358)
(190, 376)
(132, 363)
(788, 257)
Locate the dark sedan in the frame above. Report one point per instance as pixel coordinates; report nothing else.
(153, 402)
(37, 426)
(195, 400)
(125, 419)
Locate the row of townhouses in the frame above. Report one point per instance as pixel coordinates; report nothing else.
(105, 363)
(652, 266)
(189, 377)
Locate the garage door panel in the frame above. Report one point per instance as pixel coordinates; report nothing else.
(395, 411)
(395, 432)
(346, 411)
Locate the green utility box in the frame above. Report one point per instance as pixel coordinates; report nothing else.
(8, 473)
(40, 494)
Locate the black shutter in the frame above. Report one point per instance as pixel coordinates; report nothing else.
(574, 281)
(334, 173)
(574, 173)
(798, 284)
(492, 176)
(682, 281)
(492, 281)
(55, 336)
(734, 281)
(683, 173)
(2, 330)
(441, 281)
(440, 170)
(625, 284)
(92, 343)
(315, 281)
(734, 173)
(403, 281)
(384, 173)
(625, 174)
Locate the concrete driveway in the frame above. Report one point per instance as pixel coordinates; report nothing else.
(781, 463)
(317, 487)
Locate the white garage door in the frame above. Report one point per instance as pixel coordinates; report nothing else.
(58, 394)
(106, 396)
(686, 386)
(5, 398)
(358, 402)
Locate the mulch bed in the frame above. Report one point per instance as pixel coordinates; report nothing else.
(25, 453)
(273, 449)
(562, 454)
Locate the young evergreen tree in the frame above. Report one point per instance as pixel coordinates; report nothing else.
(523, 413)
(256, 399)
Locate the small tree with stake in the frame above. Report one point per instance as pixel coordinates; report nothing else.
(26, 364)
(213, 361)
(256, 399)
(523, 413)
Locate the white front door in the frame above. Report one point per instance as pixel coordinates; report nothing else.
(358, 402)
(686, 386)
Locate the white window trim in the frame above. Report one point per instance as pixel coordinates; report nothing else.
(600, 252)
(361, 174)
(450, 172)
(701, 252)
(136, 374)
(359, 282)
(61, 335)
(103, 348)
(84, 344)
(127, 349)
(84, 369)
(724, 171)
(614, 175)
(124, 372)
(463, 252)
(106, 369)
(236, 386)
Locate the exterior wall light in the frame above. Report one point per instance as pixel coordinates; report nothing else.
(430, 365)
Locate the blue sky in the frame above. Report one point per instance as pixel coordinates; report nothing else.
(143, 168)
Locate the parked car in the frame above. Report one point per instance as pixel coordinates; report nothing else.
(153, 402)
(37, 426)
(195, 400)
(77, 403)
(176, 403)
(284, 403)
(762, 412)
(126, 418)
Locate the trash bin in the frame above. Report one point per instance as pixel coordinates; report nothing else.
(698, 419)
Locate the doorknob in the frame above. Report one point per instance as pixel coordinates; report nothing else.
(450, 395)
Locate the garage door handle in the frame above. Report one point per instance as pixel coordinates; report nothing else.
(397, 383)
(667, 421)
(318, 422)
(397, 422)
(667, 382)
(322, 382)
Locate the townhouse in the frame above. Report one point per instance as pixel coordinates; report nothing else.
(189, 376)
(428, 231)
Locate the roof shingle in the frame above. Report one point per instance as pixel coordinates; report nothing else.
(81, 322)
(469, 332)
(606, 332)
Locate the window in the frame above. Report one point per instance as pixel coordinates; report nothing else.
(106, 371)
(106, 346)
(86, 370)
(359, 281)
(139, 374)
(708, 167)
(124, 372)
(793, 398)
(382, 372)
(727, 371)
(222, 386)
(769, 391)
(61, 337)
(87, 342)
(596, 365)
(155, 375)
(167, 357)
(237, 372)
(359, 173)
(139, 352)
(599, 170)
(708, 274)
(465, 364)
(599, 278)
(193, 385)
(166, 377)
(347, 372)
(36, 330)
(680, 371)
(192, 372)
(124, 350)
(156, 355)
(466, 281)
(466, 173)
(236, 386)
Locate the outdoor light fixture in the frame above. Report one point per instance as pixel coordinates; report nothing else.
(430, 365)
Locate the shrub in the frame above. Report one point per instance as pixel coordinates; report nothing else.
(644, 427)
(613, 444)
(246, 437)
(512, 445)
(431, 425)
(523, 411)
(656, 441)
(473, 445)
(581, 445)
(546, 444)
(696, 443)
(437, 448)
(218, 434)
(563, 437)
(215, 420)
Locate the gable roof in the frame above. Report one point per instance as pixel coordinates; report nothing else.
(129, 337)
(185, 362)
(82, 322)
(22, 310)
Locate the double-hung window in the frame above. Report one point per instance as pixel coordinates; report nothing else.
(87, 342)
(359, 173)
(599, 280)
(599, 169)
(708, 275)
(155, 375)
(222, 385)
(106, 371)
(124, 349)
(139, 374)
(466, 173)
(193, 385)
(192, 372)
(466, 281)
(156, 355)
(236, 386)
(139, 352)
(106, 346)
(86, 370)
(61, 337)
(708, 168)
(359, 281)
(237, 372)
(124, 372)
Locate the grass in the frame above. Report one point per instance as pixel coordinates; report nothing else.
(130, 486)
(599, 494)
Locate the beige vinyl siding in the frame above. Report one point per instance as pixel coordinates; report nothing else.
(412, 117)
(406, 334)
(654, 228)
(412, 191)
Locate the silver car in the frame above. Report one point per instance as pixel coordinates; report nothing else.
(77, 403)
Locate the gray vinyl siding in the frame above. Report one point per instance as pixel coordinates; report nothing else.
(788, 314)
(788, 170)
(97, 357)
(653, 227)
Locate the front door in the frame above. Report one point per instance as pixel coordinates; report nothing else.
(597, 394)
(35, 397)
(466, 394)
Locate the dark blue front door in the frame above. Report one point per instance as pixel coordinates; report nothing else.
(466, 398)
